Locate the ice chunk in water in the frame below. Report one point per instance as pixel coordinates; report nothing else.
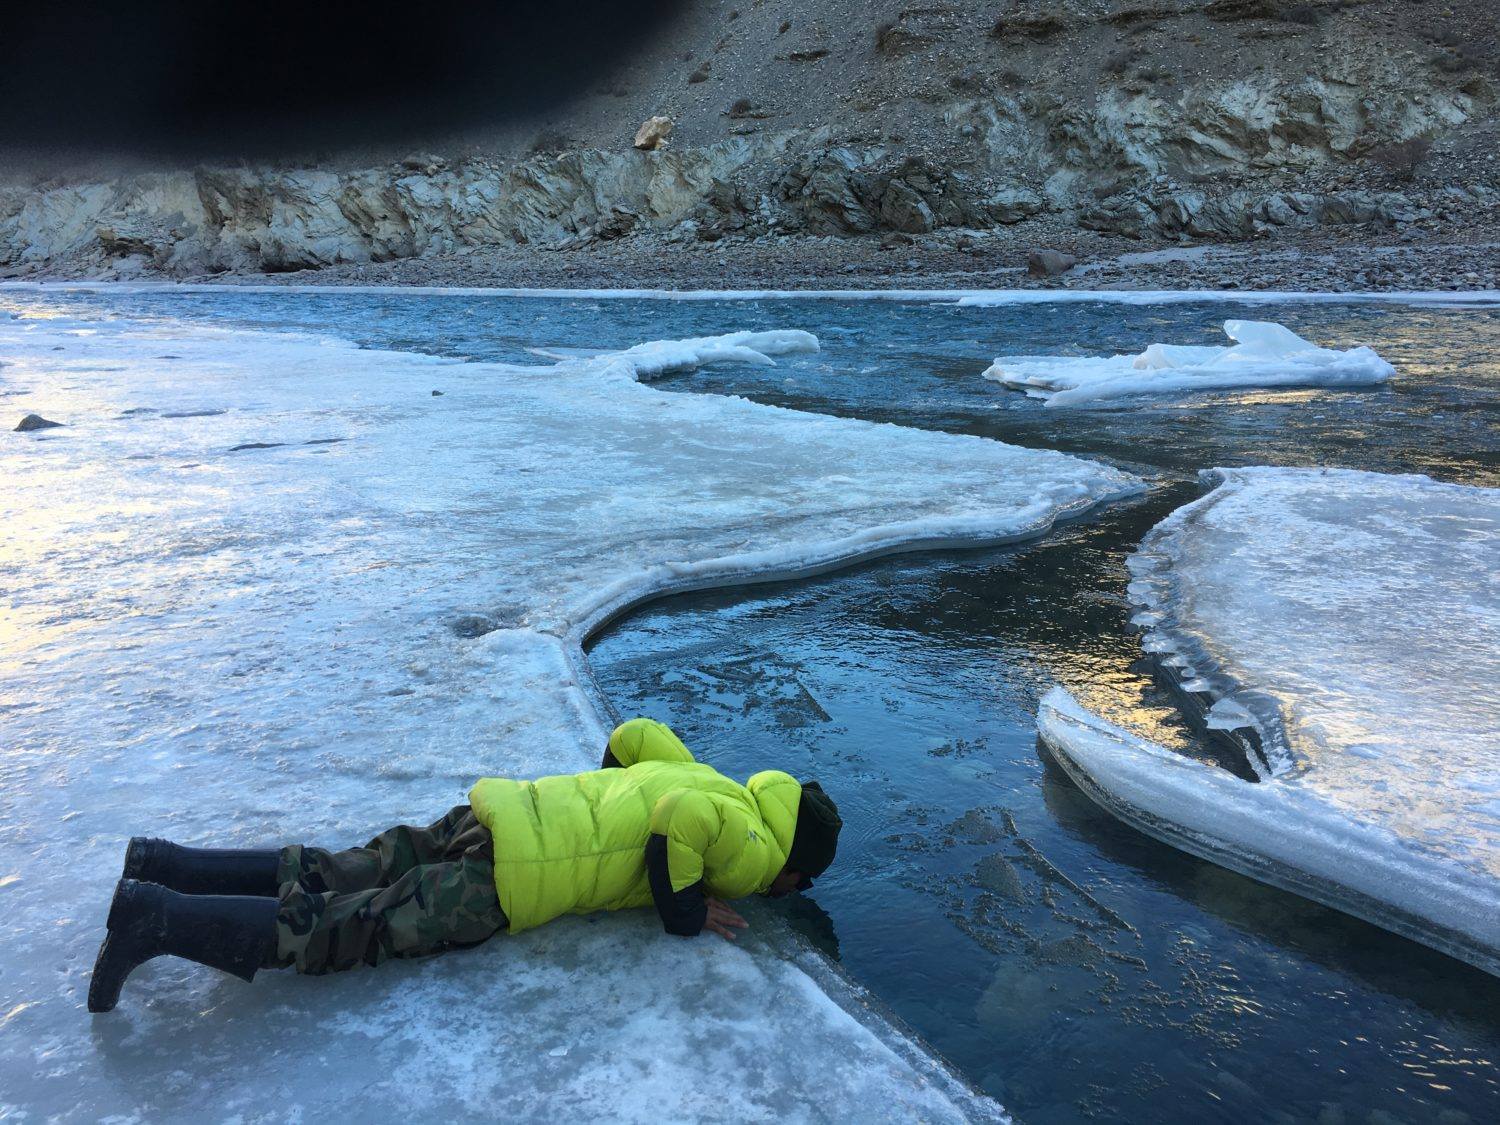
(248, 648)
(659, 357)
(1352, 620)
(1264, 355)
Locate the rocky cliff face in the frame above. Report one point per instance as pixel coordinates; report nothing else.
(1221, 121)
(210, 220)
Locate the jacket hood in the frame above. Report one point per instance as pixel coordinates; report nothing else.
(778, 795)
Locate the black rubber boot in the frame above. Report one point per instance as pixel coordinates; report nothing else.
(233, 933)
(203, 871)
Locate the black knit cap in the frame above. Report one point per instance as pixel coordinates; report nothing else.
(817, 834)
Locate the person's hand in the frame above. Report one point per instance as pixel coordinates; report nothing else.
(722, 920)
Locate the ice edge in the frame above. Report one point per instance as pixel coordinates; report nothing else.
(1250, 721)
(850, 996)
(1133, 779)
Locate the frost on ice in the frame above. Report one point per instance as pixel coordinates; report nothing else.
(1263, 355)
(1348, 624)
(240, 592)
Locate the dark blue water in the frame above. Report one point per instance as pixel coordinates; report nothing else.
(1067, 964)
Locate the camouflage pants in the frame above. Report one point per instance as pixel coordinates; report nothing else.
(407, 893)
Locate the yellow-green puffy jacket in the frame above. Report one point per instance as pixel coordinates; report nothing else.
(575, 843)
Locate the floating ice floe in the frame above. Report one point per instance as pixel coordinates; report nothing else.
(228, 629)
(1346, 626)
(655, 358)
(660, 357)
(1263, 355)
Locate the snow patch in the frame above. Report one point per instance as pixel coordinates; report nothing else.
(1264, 354)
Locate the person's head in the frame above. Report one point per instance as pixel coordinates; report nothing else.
(814, 842)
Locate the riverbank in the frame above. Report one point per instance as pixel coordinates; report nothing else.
(1227, 145)
(968, 260)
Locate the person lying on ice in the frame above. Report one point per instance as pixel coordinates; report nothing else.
(651, 825)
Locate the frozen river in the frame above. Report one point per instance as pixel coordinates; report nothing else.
(1064, 963)
(1070, 965)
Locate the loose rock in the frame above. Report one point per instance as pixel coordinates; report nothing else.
(1049, 263)
(35, 422)
(653, 133)
(473, 625)
(426, 163)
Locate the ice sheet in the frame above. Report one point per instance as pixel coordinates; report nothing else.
(1350, 622)
(1264, 354)
(241, 589)
(1283, 832)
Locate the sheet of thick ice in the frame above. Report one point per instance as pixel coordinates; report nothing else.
(1349, 622)
(1367, 607)
(246, 595)
(1263, 355)
(1284, 832)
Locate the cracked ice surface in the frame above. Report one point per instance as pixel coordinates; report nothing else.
(239, 646)
(1264, 354)
(1352, 621)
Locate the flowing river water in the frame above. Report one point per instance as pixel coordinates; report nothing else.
(1065, 963)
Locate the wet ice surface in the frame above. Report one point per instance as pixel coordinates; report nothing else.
(1262, 354)
(1287, 832)
(1351, 621)
(268, 587)
(1368, 607)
